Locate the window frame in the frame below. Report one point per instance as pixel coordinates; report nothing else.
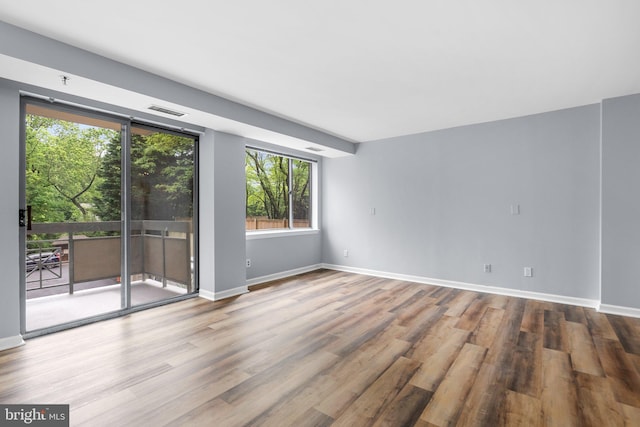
(313, 198)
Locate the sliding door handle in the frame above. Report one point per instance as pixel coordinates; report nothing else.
(24, 217)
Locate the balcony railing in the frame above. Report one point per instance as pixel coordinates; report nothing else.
(158, 249)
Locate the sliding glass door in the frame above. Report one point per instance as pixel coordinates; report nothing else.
(108, 215)
(162, 167)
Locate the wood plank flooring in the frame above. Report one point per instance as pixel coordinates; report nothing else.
(332, 348)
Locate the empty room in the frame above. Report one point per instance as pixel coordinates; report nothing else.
(320, 213)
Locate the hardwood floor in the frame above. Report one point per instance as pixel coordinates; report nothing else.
(332, 348)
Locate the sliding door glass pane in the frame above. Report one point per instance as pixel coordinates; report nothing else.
(72, 183)
(161, 245)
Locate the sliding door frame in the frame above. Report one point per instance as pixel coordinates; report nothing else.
(126, 123)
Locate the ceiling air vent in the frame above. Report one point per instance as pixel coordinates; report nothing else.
(166, 111)
(317, 150)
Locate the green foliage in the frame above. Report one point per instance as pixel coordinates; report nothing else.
(267, 186)
(267, 190)
(107, 201)
(62, 165)
(161, 178)
(301, 189)
(73, 173)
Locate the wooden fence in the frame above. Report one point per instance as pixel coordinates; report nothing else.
(258, 223)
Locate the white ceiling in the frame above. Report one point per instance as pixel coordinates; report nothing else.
(366, 69)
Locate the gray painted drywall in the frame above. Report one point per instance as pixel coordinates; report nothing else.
(28, 46)
(442, 204)
(229, 210)
(206, 212)
(9, 257)
(621, 201)
(283, 253)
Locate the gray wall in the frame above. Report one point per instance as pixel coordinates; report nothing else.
(442, 204)
(283, 253)
(9, 258)
(206, 211)
(229, 216)
(621, 201)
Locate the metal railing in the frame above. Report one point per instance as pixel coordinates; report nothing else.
(43, 261)
(91, 252)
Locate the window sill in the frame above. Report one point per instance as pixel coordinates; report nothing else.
(268, 234)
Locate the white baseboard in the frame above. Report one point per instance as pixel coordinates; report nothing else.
(217, 296)
(561, 299)
(469, 286)
(282, 274)
(11, 342)
(619, 310)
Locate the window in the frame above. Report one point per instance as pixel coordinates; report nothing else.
(278, 191)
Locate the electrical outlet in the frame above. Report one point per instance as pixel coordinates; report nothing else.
(528, 272)
(487, 268)
(515, 209)
(346, 253)
(248, 262)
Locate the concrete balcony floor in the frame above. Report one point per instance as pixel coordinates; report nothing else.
(53, 310)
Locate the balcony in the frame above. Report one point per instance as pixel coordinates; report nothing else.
(73, 270)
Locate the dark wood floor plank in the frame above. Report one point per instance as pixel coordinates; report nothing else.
(377, 397)
(487, 328)
(559, 395)
(471, 317)
(417, 299)
(631, 415)
(598, 324)
(525, 374)
(508, 333)
(636, 361)
(351, 376)
(312, 418)
(424, 321)
(406, 408)
(554, 331)
(447, 402)
(485, 404)
(437, 354)
(309, 356)
(497, 301)
(165, 404)
(329, 348)
(255, 396)
(597, 403)
(584, 357)
(522, 410)
(623, 376)
(367, 328)
(533, 317)
(574, 314)
(628, 332)
(459, 303)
